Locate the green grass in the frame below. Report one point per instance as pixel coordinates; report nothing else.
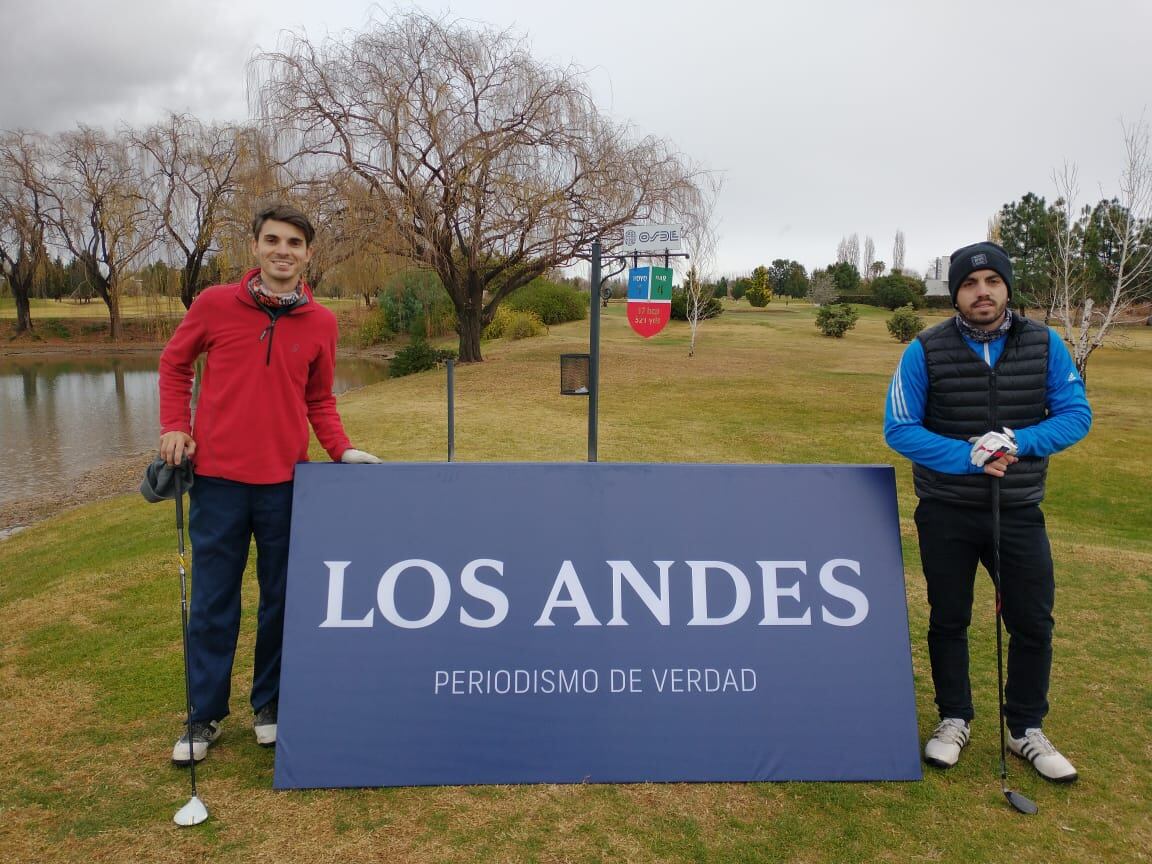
(91, 692)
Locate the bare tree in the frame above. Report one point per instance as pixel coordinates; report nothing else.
(996, 228)
(260, 180)
(853, 251)
(869, 256)
(98, 212)
(1086, 327)
(898, 251)
(700, 230)
(490, 167)
(191, 170)
(821, 289)
(22, 218)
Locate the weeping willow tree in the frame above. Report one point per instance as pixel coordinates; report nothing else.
(485, 165)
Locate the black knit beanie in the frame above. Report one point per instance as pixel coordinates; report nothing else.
(978, 256)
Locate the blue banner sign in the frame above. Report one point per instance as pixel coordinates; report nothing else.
(639, 282)
(564, 623)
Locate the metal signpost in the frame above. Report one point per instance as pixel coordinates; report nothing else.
(647, 313)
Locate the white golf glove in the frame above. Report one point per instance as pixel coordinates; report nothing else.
(358, 457)
(991, 446)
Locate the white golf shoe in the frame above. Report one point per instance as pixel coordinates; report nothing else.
(948, 739)
(1046, 759)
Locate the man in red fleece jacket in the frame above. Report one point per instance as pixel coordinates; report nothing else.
(270, 354)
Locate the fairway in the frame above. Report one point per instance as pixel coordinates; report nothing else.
(91, 677)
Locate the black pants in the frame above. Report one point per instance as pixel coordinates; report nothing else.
(953, 540)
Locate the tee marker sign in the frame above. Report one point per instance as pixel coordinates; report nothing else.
(649, 299)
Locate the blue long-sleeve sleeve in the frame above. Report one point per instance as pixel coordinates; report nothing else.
(1069, 415)
(904, 428)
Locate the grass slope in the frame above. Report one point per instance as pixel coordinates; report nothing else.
(91, 692)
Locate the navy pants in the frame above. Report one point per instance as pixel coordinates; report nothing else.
(953, 541)
(223, 518)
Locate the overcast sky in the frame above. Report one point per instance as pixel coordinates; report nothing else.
(825, 117)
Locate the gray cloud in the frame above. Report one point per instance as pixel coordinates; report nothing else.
(831, 117)
(104, 61)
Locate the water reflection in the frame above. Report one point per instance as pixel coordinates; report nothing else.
(63, 416)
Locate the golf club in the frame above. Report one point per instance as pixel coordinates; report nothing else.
(194, 812)
(1018, 801)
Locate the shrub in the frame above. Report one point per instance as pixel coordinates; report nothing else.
(417, 357)
(738, 286)
(53, 328)
(552, 303)
(495, 328)
(836, 319)
(711, 308)
(858, 299)
(374, 328)
(414, 302)
(938, 301)
(513, 324)
(758, 296)
(438, 319)
(524, 325)
(896, 290)
(905, 324)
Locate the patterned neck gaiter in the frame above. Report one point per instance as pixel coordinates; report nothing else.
(978, 335)
(273, 301)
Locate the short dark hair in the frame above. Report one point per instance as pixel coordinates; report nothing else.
(283, 213)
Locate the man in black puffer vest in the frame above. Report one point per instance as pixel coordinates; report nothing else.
(982, 398)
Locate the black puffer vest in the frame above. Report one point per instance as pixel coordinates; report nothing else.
(966, 399)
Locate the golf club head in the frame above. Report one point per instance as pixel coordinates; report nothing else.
(192, 813)
(1019, 803)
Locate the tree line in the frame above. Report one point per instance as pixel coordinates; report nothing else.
(844, 280)
(418, 142)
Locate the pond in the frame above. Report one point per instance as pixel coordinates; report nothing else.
(63, 415)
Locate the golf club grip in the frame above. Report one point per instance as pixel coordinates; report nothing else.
(180, 513)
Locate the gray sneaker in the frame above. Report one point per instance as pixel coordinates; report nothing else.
(204, 735)
(948, 739)
(264, 724)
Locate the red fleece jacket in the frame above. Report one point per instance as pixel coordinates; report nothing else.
(262, 385)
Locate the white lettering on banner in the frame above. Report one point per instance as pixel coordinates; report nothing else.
(714, 680)
(386, 593)
(494, 597)
(567, 580)
(841, 591)
(503, 682)
(700, 616)
(626, 680)
(658, 604)
(773, 592)
(568, 592)
(335, 616)
(567, 682)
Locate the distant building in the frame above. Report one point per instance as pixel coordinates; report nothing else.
(936, 279)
